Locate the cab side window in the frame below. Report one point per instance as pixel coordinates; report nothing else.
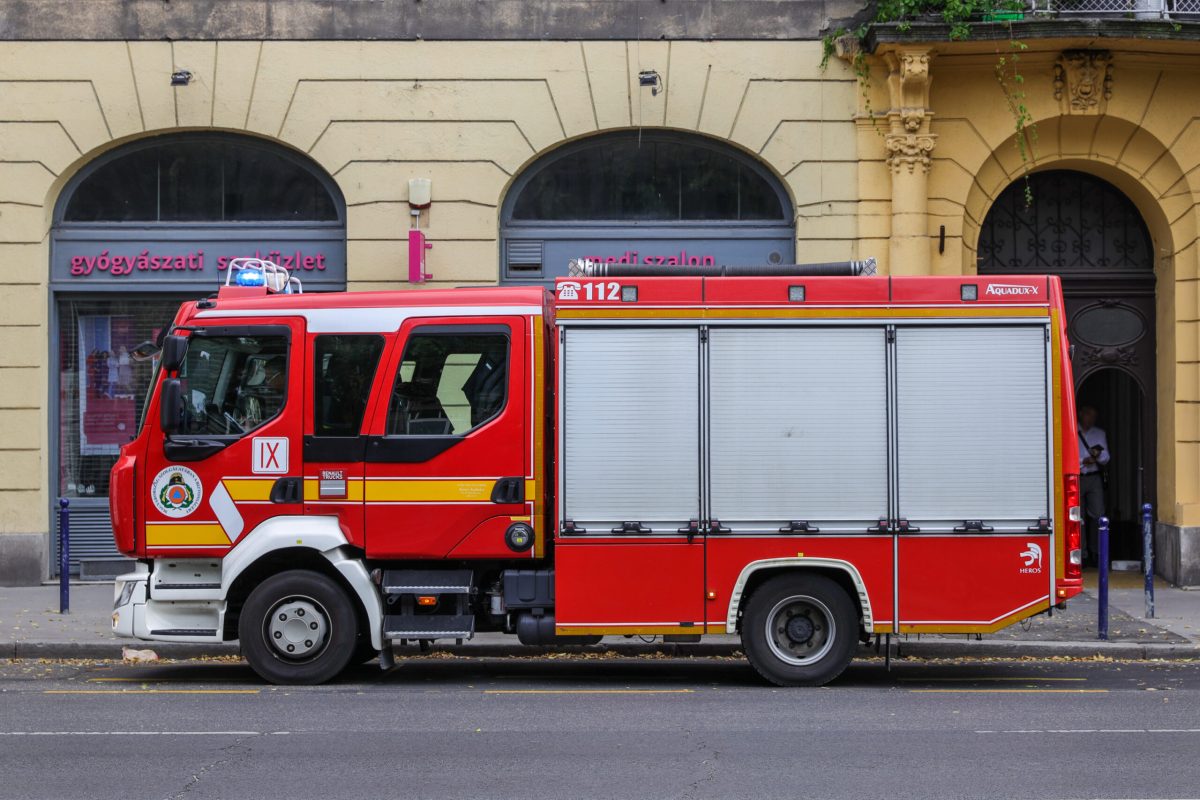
(450, 381)
(344, 367)
(233, 384)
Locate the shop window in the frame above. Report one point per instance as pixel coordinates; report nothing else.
(650, 178)
(232, 384)
(200, 179)
(344, 371)
(450, 382)
(102, 385)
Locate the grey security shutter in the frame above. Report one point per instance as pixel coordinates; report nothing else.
(798, 421)
(971, 426)
(631, 427)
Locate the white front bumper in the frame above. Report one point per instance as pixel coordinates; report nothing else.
(137, 616)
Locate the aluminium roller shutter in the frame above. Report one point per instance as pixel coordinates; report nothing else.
(631, 427)
(972, 426)
(798, 423)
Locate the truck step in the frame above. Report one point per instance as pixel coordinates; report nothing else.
(427, 581)
(428, 626)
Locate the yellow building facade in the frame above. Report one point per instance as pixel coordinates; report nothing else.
(905, 167)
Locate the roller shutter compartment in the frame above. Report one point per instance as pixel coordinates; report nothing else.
(971, 407)
(631, 428)
(798, 423)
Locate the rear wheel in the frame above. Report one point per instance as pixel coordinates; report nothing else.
(799, 630)
(298, 627)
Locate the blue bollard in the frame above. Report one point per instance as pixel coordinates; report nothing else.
(64, 556)
(1148, 557)
(1102, 537)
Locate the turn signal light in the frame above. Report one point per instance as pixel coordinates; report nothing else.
(427, 600)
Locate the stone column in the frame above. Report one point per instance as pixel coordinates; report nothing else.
(909, 149)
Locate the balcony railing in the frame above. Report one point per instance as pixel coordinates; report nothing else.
(1135, 9)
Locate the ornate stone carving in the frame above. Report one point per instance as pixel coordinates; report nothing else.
(1123, 356)
(908, 151)
(1083, 81)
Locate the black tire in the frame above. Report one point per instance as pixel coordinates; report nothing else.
(364, 651)
(283, 612)
(812, 633)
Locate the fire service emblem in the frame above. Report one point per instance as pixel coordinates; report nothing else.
(176, 491)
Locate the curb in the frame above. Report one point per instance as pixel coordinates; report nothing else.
(924, 649)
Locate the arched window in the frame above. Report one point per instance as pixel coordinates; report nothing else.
(1076, 222)
(201, 178)
(642, 196)
(651, 178)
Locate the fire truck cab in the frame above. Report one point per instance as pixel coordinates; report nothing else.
(805, 459)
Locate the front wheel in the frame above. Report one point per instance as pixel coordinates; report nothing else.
(799, 630)
(298, 627)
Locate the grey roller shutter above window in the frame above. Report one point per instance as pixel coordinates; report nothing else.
(972, 426)
(631, 428)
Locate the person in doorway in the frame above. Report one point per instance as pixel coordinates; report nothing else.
(1093, 456)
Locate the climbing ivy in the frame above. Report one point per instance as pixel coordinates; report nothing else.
(959, 15)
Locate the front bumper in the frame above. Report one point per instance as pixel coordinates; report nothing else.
(136, 615)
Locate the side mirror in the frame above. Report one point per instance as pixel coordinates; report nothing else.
(170, 406)
(174, 348)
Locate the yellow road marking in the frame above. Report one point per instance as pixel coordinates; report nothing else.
(151, 691)
(159, 680)
(1008, 691)
(588, 691)
(973, 680)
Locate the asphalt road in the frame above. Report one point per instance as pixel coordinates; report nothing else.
(611, 728)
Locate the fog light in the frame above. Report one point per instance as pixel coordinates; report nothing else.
(519, 537)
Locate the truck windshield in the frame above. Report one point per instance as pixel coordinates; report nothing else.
(233, 384)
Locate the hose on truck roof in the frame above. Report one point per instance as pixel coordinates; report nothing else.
(597, 269)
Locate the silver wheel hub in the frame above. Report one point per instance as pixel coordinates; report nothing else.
(297, 628)
(800, 630)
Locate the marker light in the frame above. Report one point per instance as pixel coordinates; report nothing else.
(427, 600)
(795, 294)
(970, 291)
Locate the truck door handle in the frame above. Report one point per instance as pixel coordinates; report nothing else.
(508, 491)
(287, 490)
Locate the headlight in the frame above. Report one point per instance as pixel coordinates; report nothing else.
(124, 592)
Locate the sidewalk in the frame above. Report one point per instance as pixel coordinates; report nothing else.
(31, 627)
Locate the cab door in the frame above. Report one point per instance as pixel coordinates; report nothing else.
(448, 451)
(344, 369)
(227, 467)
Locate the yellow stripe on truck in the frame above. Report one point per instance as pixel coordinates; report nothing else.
(243, 490)
(185, 534)
(429, 491)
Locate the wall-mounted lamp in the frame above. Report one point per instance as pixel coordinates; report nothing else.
(651, 78)
(181, 77)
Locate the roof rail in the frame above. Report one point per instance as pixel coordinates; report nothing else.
(586, 268)
(261, 272)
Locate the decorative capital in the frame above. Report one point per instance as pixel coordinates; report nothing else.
(908, 151)
(909, 86)
(1083, 81)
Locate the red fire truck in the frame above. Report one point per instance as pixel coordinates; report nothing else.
(804, 456)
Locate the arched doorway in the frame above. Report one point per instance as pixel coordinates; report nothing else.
(137, 231)
(643, 197)
(1086, 231)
